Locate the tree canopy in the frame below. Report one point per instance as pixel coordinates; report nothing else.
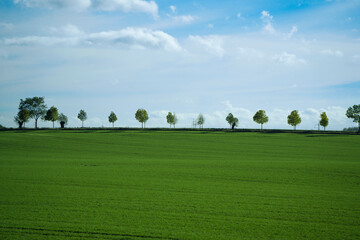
(261, 118)
(36, 106)
(52, 115)
(200, 120)
(324, 121)
(294, 119)
(354, 113)
(142, 116)
(82, 116)
(233, 121)
(112, 118)
(22, 117)
(63, 120)
(171, 119)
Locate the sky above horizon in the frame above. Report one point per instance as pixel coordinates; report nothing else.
(188, 57)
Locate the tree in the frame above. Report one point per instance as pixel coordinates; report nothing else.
(82, 116)
(200, 120)
(170, 119)
(260, 117)
(175, 120)
(63, 120)
(233, 121)
(324, 121)
(142, 116)
(36, 106)
(52, 115)
(230, 119)
(22, 117)
(354, 113)
(112, 118)
(294, 119)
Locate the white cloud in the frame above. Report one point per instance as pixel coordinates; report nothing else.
(250, 52)
(265, 15)
(288, 59)
(293, 30)
(187, 19)
(6, 26)
(127, 6)
(267, 21)
(238, 15)
(210, 26)
(103, 5)
(269, 27)
(213, 44)
(134, 37)
(138, 37)
(172, 8)
(39, 40)
(54, 4)
(67, 30)
(335, 53)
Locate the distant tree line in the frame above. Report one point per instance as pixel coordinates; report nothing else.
(35, 108)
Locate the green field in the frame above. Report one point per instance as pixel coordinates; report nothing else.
(178, 185)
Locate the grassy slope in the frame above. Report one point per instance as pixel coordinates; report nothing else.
(178, 185)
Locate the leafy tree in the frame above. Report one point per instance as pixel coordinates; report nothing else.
(142, 116)
(112, 118)
(82, 116)
(324, 121)
(354, 113)
(52, 115)
(260, 117)
(233, 121)
(63, 120)
(294, 119)
(36, 106)
(230, 119)
(170, 119)
(200, 120)
(175, 120)
(22, 117)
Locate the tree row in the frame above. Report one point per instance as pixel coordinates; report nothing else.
(36, 108)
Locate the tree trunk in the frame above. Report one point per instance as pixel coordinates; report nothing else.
(36, 122)
(261, 126)
(53, 125)
(295, 127)
(82, 124)
(113, 125)
(62, 124)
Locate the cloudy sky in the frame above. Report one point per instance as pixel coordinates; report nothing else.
(184, 56)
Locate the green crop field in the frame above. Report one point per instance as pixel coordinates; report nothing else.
(178, 185)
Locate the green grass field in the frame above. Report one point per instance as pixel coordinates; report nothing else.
(178, 185)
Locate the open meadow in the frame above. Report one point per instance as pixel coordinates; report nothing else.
(86, 184)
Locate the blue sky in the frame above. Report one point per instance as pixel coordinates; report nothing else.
(186, 57)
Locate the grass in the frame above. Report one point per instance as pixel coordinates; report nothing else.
(178, 185)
